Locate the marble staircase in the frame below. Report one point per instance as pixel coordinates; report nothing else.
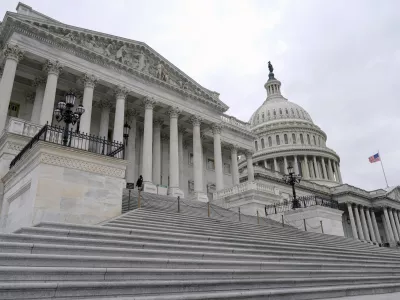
(157, 253)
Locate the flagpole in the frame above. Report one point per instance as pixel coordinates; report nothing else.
(380, 158)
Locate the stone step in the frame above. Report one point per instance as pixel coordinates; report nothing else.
(51, 260)
(7, 247)
(252, 289)
(8, 274)
(181, 245)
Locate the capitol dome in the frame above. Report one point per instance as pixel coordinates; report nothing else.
(286, 135)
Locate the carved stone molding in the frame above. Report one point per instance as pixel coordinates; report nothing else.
(53, 67)
(89, 80)
(196, 120)
(181, 129)
(216, 128)
(121, 92)
(39, 81)
(148, 102)
(248, 152)
(158, 122)
(174, 112)
(105, 104)
(131, 113)
(233, 148)
(13, 52)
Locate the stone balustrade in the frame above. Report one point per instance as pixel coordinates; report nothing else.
(243, 187)
(22, 127)
(235, 122)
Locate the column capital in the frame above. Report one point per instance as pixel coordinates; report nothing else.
(148, 102)
(30, 97)
(13, 52)
(196, 120)
(121, 92)
(233, 147)
(158, 122)
(105, 104)
(131, 113)
(39, 81)
(181, 129)
(89, 80)
(216, 128)
(248, 153)
(174, 112)
(53, 67)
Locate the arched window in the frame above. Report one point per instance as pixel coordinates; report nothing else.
(292, 111)
(294, 138)
(263, 117)
(262, 143)
(286, 138)
(315, 141)
(280, 111)
(298, 114)
(319, 141)
(286, 110)
(308, 139)
(274, 113)
(269, 141)
(269, 114)
(256, 145)
(301, 139)
(278, 140)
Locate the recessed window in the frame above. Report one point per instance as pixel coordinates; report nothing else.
(286, 138)
(319, 141)
(256, 145)
(292, 111)
(315, 141)
(286, 110)
(263, 117)
(227, 168)
(191, 186)
(210, 164)
(269, 141)
(294, 138)
(301, 139)
(13, 109)
(308, 139)
(190, 158)
(274, 113)
(280, 111)
(262, 143)
(278, 140)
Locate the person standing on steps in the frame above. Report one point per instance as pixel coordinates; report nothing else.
(139, 183)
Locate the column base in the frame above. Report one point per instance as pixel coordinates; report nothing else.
(200, 196)
(149, 187)
(175, 192)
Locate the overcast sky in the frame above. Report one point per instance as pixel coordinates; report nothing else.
(339, 60)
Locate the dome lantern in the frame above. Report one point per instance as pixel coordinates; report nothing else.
(273, 86)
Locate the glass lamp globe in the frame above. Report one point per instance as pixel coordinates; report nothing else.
(61, 105)
(80, 110)
(70, 99)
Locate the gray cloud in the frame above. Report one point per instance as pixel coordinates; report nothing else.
(338, 59)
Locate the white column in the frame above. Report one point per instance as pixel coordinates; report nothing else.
(219, 173)
(376, 228)
(197, 163)
(324, 168)
(393, 224)
(181, 132)
(306, 169)
(352, 223)
(147, 166)
(388, 226)
(39, 83)
(89, 82)
(235, 167)
(364, 224)
(118, 133)
(358, 222)
(157, 151)
(131, 149)
(330, 170)
(385, 227)
(53, 69)
(370, 226)
(13, 54)
(339, 173)
(276, 168)
(396, 220)
(336, 171)
(285, 165)
(317, 175)
(174, 189)
(105, 107)
(250, 168)
(296, 165)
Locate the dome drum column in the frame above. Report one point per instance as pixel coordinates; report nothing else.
(324, 168)
(306, 168)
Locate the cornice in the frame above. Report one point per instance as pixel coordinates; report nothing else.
(78, 43)
(288, 126)
(290, 150)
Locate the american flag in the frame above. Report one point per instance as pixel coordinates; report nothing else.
(374, 158)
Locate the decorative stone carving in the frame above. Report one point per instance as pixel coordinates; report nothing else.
(174, 112)
(30, 97)
(53, 67)
(132, 113)
(13, 52)
(148, 102)
(216, 128)
(121, 92)
(158, 122)
(89, 80)
(248, 152)
(105, 103)
(233, 147)
(181, 129)
(39, 81)
(196, 120)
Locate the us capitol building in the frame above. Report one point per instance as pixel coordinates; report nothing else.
(174, 132)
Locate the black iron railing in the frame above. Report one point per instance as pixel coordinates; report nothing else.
(83, 141)
(302, 202)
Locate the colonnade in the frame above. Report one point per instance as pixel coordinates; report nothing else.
(365, 227)
(43, 112)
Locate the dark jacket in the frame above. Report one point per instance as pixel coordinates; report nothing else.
(139, 182)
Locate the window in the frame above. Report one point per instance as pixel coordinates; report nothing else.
(286, 110)
(262, 143)
(227, 168)
(301, 139)
(190, 158)
(315, 141)
(263, 117)
(269, 114)
(191, 186)
(278, 140)
(286, 138)
(13, 109)
(210, 164)
(319, 141)
(294, 138)
(256, 145)
(269, 141)
(292, 111)
(308, 139)
(280, 111)
(274, 113)
(298, 114)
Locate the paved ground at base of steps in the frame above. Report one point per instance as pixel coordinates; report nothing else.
(392, 296)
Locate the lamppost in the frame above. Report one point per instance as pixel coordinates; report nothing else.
(64, 112)
(292, 179)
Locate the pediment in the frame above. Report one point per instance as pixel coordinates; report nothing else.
(134, 57)
(394, 193)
